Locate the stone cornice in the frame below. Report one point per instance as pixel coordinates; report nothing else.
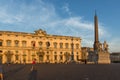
(38, 33)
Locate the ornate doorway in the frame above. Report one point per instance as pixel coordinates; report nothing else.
(40, 56)
(67, 57)
(8, 55)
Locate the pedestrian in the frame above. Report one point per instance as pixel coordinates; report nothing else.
(33, 63)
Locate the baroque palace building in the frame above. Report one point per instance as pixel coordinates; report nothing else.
(22, 47)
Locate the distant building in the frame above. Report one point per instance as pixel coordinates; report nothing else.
(21, 47)
(115, 57)
(85, 53)
(88, 54)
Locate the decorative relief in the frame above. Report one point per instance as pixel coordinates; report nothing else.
(40, 32)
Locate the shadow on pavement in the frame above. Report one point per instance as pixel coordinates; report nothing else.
(33, 75)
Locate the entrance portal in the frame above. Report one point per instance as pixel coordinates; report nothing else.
(9, 56)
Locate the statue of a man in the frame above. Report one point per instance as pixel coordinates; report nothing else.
(100, 47)
(105, 45)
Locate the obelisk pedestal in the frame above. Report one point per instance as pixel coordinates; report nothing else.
(103, 58)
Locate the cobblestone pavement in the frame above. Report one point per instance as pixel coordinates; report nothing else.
(62, 72)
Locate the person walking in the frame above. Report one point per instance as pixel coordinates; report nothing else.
(33, 64)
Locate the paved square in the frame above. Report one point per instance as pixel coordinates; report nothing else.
(62, 72)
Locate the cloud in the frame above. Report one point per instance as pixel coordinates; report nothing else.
(114, 45)
(28, 16)
(9, 19)
(67, 9)
(76, 26)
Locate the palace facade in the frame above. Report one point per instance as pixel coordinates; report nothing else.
(21, 47)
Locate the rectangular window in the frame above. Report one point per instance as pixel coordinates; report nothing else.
(16, 51)
(16, 35)
(47, 45)
(33, 43)
(55, 52)
(8, 43)
(47, 57)
(33, 56)
(55, 45)
(77, 46)
(24, 43)
(8, 35)
(61, 53)
(55, 57)
(40, 44)
(0, 43)
(61, 45)
(16, 43)
(17, 57)
(72, 45)
(66, 45)
(0, 51)
(61, 57)
(77, 57)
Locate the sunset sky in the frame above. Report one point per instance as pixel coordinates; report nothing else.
(64, 17)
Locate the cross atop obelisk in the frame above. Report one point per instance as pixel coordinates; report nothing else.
(96, 35)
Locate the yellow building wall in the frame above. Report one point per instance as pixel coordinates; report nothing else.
(28, 53)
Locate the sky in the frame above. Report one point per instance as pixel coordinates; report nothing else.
(64, 17)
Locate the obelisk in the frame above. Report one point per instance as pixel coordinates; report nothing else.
(96, 37)
(101, 56)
